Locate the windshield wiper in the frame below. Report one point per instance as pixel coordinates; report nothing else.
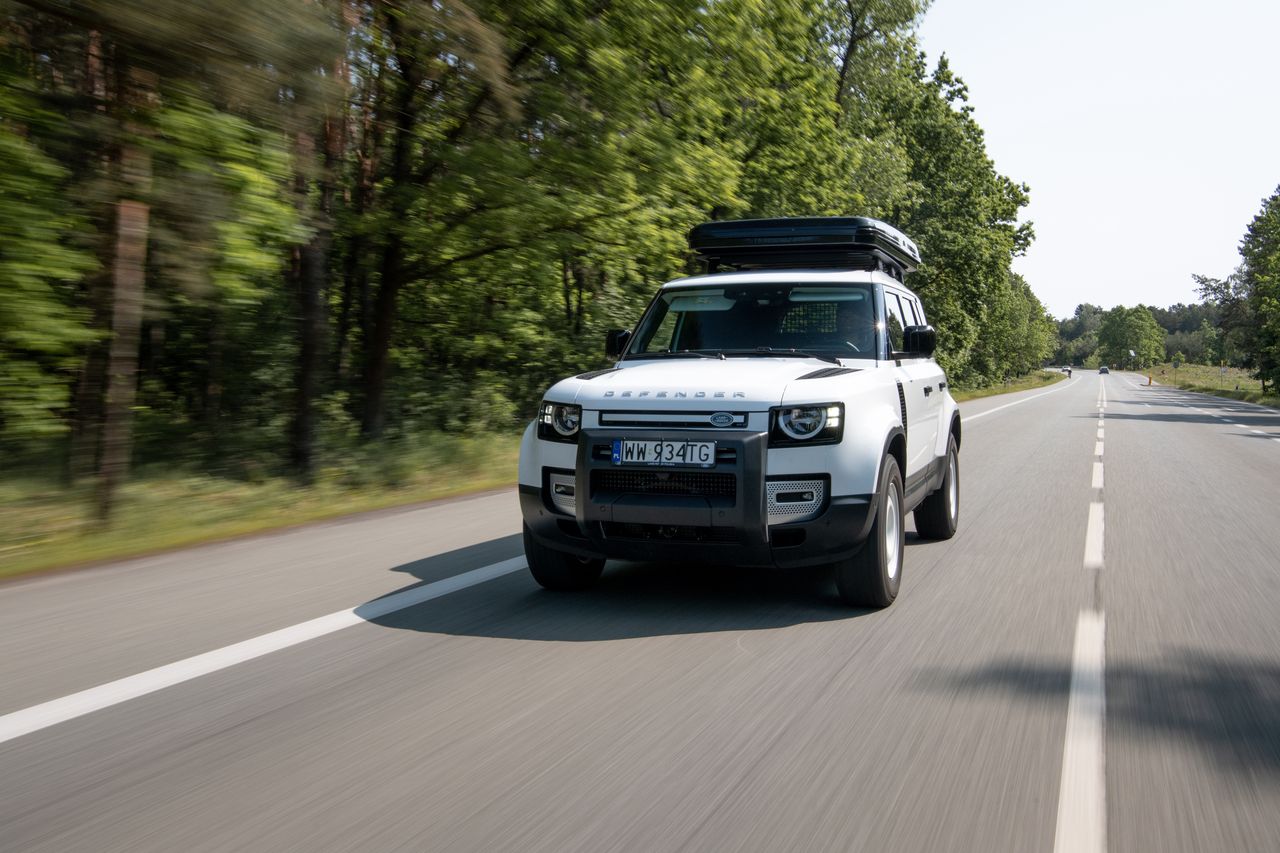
(782, 353)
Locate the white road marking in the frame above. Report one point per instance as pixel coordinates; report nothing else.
(56, 711)
(1097, 475)
(1093, 537)
(1082, 793)
(1099, 433)
(1257, 432)
(1239, 426)
(968, 418)
(1097, 449)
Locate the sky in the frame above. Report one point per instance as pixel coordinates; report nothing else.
(1148, 132)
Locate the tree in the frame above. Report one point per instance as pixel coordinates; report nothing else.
(1260, 271)
(1130, 329)
(1237, 326)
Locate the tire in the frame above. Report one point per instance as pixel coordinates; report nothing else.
(872, 576)
(556, 570)
(938, 515)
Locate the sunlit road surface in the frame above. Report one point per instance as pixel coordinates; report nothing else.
(1093, 663)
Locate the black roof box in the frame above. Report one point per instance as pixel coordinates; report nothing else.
(844, 242)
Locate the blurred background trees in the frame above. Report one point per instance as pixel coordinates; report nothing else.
(248, 237)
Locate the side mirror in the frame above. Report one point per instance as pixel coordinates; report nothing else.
(615, 341)
(919, 341)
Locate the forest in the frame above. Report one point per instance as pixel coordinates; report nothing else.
(255, 239)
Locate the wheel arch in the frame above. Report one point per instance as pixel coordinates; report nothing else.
(895, 445)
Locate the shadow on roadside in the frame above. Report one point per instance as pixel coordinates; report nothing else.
(1226, 706)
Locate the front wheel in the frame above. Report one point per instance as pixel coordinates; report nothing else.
(938, 514)
(872, 576)
(557, 570)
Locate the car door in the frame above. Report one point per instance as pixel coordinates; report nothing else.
(931, 372)
(919, 388)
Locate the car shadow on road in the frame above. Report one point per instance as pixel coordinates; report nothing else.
(630, 600)
(1226, 706)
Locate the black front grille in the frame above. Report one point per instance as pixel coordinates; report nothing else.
(701, 483)
(670, 533)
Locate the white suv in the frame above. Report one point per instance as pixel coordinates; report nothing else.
(785, 413)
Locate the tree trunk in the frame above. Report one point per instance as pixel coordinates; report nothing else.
(377, 350)
(128, 281)
(314, 269)
(128, 285)
(86, 427)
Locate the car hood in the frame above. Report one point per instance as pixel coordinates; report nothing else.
(740, 384)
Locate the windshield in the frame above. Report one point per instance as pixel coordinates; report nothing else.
(834, 321)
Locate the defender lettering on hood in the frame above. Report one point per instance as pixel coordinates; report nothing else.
(680, 395)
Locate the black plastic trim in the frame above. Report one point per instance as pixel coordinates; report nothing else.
(592, 374)
(827, 372)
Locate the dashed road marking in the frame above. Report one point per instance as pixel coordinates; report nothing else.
(1097, 475)
(1097, 449)
(1082, 793)
(1094, 538)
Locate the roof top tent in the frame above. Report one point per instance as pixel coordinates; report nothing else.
(839, 242)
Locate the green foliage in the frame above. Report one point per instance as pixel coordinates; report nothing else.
(964, 216)
(41, 328)
(1126, 330)
(472, 192)
(1260, 272)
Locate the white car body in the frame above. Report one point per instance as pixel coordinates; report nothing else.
(676, 398)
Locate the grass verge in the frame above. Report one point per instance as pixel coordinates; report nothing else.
(45, 526)
(1233, 384)
(1039, 379)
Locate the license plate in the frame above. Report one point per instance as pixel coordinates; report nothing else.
(697, 454)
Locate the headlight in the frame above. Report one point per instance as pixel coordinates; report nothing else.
(822, 423)
(559, 421)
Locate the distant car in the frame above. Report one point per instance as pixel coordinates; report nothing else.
(1066, 370)
(1104, 369)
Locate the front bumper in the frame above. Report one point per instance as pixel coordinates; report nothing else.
(722, 523)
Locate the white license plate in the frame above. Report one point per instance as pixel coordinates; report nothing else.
(698, 454)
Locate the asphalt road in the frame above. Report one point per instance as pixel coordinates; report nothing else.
(688, 708)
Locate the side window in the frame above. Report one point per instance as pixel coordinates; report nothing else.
(919, 309)
(896, 320)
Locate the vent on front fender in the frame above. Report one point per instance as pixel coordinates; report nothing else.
(902, 401)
